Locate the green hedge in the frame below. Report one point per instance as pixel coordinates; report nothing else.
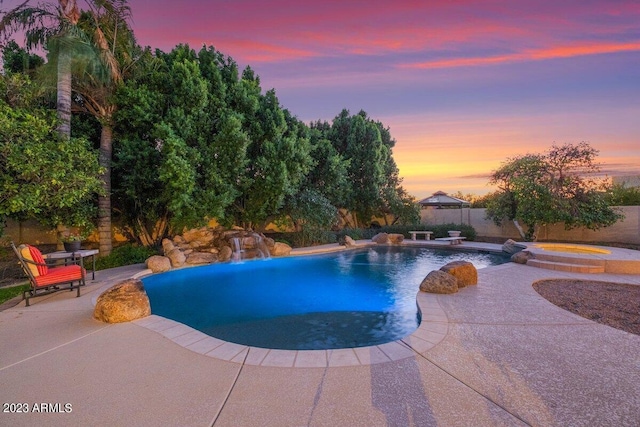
(438, 231)
(303, 239)
(125, 255)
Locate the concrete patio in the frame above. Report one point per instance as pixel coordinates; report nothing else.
(492, 354)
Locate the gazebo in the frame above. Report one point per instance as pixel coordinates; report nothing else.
(440, 200)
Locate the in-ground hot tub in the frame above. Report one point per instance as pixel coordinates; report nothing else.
(584, 258)
(569, 248)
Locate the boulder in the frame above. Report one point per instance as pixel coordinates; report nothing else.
(396, 238)
(123, 302)
(177, 257)
(522, 257)
(349, 242)
(158, 263)
(280, 249)
(196, 258)
(511, 247)
(439, 282)
(380, 238)
(167, 246)
(464, 271)
(269, 242)
(224, 254)
(199, 237)
(248, 242)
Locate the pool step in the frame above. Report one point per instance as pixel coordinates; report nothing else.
(571, 259)
(564, 266)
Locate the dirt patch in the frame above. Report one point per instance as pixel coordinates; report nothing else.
(613, 304)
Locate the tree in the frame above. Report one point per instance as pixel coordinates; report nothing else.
(372, 174)
(183, 146)
(278, 156)
(400, 205)
(96, 85)
(18, 60)
(623, 195)
(558, 186)
(59, 181)
(329, 173)
(54, 27)
(311, 214)
(88, 45)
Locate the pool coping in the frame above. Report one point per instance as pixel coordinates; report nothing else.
(432, 330)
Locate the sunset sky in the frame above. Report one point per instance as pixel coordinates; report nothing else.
(462, 85)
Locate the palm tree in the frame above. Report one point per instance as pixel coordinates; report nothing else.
(53, 26)
(57, 28)
(114, 42)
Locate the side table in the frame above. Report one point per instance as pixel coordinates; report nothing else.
(75, 257)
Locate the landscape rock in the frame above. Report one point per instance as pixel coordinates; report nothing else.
(464, 271)
(224, 254)
(522, 257)
(177, 258)
(123, 302)
(212, 244)
(349, 242)
(248, 242)
(511, 247)
(158, 263)
(439, 282)
(269, 242)
(199, 237)
(167, 246)
(197, 258)
(396, 238)
(380, 238)
(280, 249)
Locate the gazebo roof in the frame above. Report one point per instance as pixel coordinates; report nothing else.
(440, 198)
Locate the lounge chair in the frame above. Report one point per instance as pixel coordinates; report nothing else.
(44, 279)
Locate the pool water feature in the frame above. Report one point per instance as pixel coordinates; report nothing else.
(347, 299)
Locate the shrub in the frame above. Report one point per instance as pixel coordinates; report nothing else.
(311, 237)
(357, 233)
(440, 230)
(302, 239)
(125, 255)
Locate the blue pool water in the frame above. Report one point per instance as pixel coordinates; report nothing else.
(346, 299)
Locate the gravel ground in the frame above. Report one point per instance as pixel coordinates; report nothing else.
(613, 304)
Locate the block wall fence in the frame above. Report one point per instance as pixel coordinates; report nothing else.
(624, 231)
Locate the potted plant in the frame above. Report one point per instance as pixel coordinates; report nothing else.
(72, 242)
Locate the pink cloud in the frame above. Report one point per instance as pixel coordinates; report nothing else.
(529, 55)
(288, 30)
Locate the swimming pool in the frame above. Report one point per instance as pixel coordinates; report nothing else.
(347, 299)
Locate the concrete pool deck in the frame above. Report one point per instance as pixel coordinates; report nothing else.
(505, 356)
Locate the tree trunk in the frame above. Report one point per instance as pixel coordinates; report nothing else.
(520, 230)
(63, 104)
(104, 200)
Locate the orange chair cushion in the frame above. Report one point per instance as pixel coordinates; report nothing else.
(64, 274)
(31, 253)
(37, 257)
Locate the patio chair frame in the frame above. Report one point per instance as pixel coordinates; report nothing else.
(36, 290)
